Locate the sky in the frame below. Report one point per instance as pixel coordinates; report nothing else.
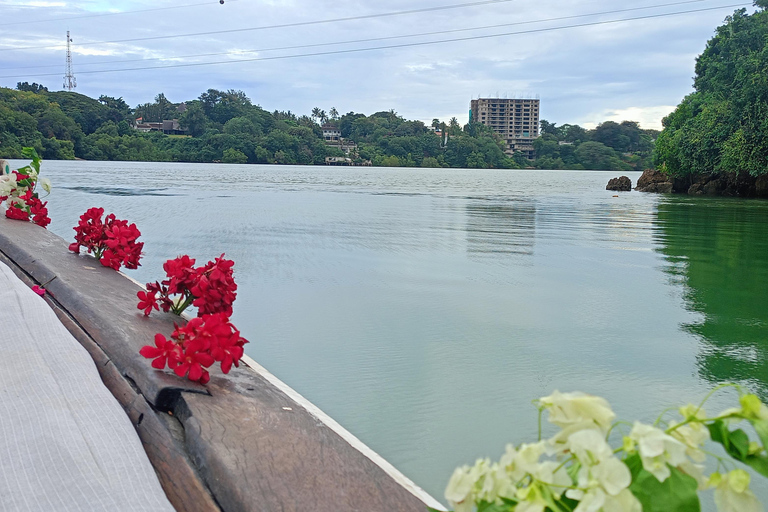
(588, 61)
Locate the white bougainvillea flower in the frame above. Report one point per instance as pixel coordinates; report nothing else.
(696, 471)
(46, 184)
(531, 499)
(625, 501)
(693, 436)
(732, 492)
(459, 490)
(568, 409)
(590, 447)
(657, 449)
(523, 461)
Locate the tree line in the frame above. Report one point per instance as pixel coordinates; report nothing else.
(611, 146)
(226, 126)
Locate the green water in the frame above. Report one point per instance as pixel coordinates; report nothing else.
(718, 252)
(424, 309)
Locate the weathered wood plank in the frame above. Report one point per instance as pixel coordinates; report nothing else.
(259, 450)
(251, 444)
(101, 301)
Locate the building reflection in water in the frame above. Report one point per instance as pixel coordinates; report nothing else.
(718, 250)
(500, 226)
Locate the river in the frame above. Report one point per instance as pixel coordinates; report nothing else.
(424, 309)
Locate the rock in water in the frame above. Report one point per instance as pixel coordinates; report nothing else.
(654, 181)
(622, 184)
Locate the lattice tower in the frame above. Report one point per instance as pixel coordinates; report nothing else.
(70, 82)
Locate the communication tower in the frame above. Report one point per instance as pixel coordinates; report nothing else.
(69, 79)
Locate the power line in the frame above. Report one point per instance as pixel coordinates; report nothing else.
(403, 45)
(372, 39)
(285, 25)
(84, 16)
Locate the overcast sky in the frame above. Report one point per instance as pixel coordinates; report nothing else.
(629, 70)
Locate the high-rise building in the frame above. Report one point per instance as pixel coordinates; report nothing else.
(515, 120)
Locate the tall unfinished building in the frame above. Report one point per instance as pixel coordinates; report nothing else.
(515, 120)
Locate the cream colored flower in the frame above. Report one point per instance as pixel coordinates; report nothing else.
(693, 436)
(459, 490)
(46, 184)
(568, 409)
(657, 450)
(732, 493)
(625, 501)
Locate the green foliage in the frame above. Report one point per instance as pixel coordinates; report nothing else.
(233, 156)
(226, 126)
(611, 146)
(723, 126)
(678, 493)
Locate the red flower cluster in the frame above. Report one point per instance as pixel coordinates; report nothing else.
(196, 346)
(211, 288)
(27, 206)
(113, 241)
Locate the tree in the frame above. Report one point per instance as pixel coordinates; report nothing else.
(234, 156)
(316, 113)
(548, 128)
(721, 127)
(334, 113)
(33, 87)
(194, 119)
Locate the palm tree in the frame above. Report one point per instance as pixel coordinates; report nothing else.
(323, 117)
(334, 113)
(316, 113)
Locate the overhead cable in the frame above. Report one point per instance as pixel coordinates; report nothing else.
(266, 27)
(394, 46)
(368, 40)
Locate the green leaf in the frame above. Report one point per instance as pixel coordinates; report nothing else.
(32, 155)
(678, 493)
(736, 444)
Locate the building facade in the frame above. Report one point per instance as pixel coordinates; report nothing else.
(515, 120)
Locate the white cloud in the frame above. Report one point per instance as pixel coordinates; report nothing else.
(648, 117)
(583, 75)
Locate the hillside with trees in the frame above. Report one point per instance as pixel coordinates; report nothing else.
(226, 126)
(610, 146)
(721, 129)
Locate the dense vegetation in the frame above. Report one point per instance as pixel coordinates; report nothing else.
(722, 127)
(226, 126)
(611, 146)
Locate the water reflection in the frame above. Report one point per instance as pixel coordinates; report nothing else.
(500, 226)
(718, 250)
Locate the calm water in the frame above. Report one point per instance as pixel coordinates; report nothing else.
(425, 309)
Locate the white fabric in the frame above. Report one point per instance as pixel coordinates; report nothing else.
(65, 442)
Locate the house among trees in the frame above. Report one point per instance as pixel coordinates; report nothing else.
(331, 133)
(168, 127)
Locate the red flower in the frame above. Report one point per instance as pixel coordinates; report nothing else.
(38, 290)
(193, 365)
(148, 300)
(112, 241)
(17, 213)
(163, 351)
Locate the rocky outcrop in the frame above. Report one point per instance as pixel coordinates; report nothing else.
(654, 181)
(621, 184)
(728, 184)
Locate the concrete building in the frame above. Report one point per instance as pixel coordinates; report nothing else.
(515, 120)
(331, 133)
